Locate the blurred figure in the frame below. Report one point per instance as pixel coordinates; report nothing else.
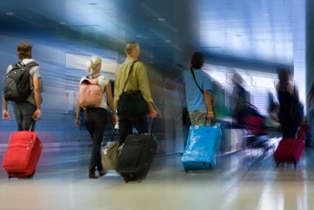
(198, 87)
(96, 117)
(287, 96)
(29, 111)
(272, 120)
(310, 105)
(239, 100)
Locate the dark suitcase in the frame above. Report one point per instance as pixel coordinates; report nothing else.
(289, 151)
(22, 155)
(137, 156)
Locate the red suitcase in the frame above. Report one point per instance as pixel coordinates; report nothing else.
(22, 154)
(289, 151)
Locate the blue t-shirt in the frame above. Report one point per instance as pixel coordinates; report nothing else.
(194, 97)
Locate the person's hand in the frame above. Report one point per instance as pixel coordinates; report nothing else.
(6, 115)
(78, 122)
(37, 114)
(210, 115)
(153, 113)
(115, 118)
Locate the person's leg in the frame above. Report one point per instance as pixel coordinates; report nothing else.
(293, 129)
(141, 124)
(199, 118)
(28, 110)
(96, 123)
(125, 129)
(100, 126)
(286, 130)
(202, 118)
(18, 115)
(193, 117)
(90, 126)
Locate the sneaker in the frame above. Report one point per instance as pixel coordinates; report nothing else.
(102, 172)
(92, 176)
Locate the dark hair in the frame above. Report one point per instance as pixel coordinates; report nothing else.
(283, 76)
(197, 60)
(310, 95)
(24, 50)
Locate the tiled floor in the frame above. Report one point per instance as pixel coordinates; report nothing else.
(247, 180)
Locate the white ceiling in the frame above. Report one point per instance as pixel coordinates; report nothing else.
(259, 33)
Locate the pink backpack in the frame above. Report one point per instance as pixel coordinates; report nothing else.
(90, 93)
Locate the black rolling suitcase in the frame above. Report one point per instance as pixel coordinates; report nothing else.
(137, 156)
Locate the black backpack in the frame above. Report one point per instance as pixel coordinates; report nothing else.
(17, 84)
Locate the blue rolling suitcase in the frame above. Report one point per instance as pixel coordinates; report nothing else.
(200, 150)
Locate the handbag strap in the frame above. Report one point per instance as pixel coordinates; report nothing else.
(127, 79)
(212, 123)
(196, 81)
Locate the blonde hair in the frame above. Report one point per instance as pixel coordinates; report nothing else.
(93, 63)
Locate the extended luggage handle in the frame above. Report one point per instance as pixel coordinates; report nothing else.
(31, 125)
(212, 122)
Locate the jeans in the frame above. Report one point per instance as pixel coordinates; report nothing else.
(126, 126)
(23, 112)
(95, 121)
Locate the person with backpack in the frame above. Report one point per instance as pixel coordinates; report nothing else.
(92, 101)
(23, 88)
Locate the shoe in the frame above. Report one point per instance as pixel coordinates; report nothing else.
(92, 176)
(102, 172)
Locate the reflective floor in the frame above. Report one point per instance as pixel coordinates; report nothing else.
(246, 180)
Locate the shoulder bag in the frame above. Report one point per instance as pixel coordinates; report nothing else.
(131, 103)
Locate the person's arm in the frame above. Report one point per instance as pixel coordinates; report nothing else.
(77, 114)
(37, 96)
(208, 102)
(145, 90)
(5, 113)
(110, 101)
(152, 112)
(143, 82)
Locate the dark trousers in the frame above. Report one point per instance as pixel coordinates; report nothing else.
(95, 121)
(23, 112)
(126, 126)
(289, 128)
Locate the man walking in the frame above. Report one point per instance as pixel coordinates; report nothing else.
(137, 81)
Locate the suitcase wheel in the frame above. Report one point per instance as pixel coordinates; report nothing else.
(32, 175)
(26, 177)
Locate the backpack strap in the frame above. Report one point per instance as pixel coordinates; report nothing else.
(28, 65)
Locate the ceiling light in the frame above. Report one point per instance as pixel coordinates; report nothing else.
(161, 19)
(62, 23)
(9, 13)
(168, 41)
